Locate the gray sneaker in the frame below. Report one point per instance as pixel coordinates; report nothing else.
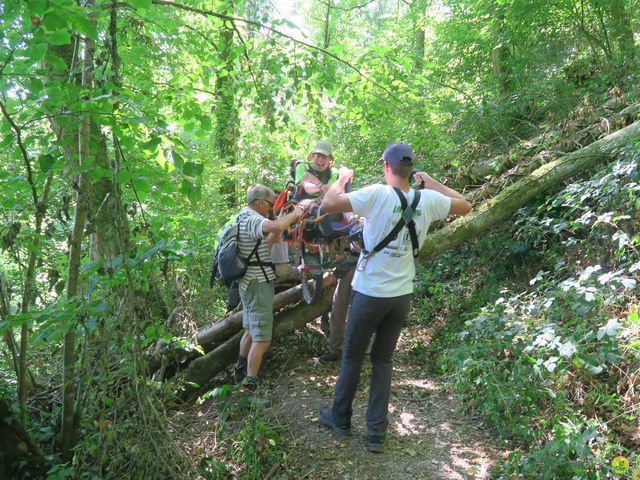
(330, 356)
(325, 415)
(375, 444)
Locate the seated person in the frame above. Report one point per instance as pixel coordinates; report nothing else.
(314, 176)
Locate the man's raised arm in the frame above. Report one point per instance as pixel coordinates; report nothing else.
(335, 200)
(459, 204)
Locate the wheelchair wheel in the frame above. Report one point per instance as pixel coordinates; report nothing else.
(311, 287)
(311, 277)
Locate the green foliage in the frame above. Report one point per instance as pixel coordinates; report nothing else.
(547, 364)
(257, 447)
(171, 87)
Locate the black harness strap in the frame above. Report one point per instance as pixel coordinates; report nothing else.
(258, 262)
(405, 219)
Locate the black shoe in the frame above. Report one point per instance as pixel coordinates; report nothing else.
(375, 443)
(330, 356)
(249, 384)
(325, 415)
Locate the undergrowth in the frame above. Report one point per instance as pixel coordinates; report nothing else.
(550, 356)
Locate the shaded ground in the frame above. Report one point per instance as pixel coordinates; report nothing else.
(428, 437)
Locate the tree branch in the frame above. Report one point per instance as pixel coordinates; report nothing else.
(262, 27)
(23, 150)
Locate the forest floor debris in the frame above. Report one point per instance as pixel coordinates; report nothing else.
(429, 436)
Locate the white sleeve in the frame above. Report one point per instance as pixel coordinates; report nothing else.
(364, 201)
(437, 205)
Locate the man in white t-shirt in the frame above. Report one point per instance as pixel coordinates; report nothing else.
(383, 281)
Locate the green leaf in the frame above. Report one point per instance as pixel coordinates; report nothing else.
(53, 21)
(152, 144)
(6, 141)
(83, 25)
(192, 169)
(59, 37)
(124, 177)
(37, 52)
(140, 3)
(178, 160)
(46, 162)
(56, 63)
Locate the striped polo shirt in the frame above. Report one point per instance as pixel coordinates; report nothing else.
(250, 232)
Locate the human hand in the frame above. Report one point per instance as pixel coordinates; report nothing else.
(422, 178)
(345, 174)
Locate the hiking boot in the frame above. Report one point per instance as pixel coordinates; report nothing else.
(249, 384)
(325, 415)
(330, 356)
(375, 443)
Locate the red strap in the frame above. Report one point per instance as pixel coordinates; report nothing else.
(280, 201)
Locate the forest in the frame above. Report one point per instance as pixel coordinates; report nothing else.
(129, 135)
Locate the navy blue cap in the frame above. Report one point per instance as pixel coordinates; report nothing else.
(397, 153)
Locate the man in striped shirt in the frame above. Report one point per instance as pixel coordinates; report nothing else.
(256, 286)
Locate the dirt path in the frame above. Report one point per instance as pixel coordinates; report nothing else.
(428, 438)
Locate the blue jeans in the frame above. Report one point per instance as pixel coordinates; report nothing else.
(368, 315)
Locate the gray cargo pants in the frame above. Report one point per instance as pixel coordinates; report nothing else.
(383, 317)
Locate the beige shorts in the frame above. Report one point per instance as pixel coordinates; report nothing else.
(257, 309)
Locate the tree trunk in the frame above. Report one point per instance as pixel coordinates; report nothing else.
(202, 370)
(218, 332)
(69, 390)
(327, 19)
(522, 192)
(622, 31)
(418, 8)
(500, 53)
(226, 113)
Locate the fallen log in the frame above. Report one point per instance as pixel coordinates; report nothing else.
(522, 192)
(201, 370)
(224, 328)
(214, 334)
(552, 143)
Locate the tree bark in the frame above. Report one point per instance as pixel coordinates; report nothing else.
(418, 8)
(622, 31)
(226, 112)
(68, 431)
(202, 370)
(522, 192)
(218, 332)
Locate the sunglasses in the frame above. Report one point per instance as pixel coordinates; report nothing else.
(269, 202)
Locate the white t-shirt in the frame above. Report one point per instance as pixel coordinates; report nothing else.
(390, 272)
